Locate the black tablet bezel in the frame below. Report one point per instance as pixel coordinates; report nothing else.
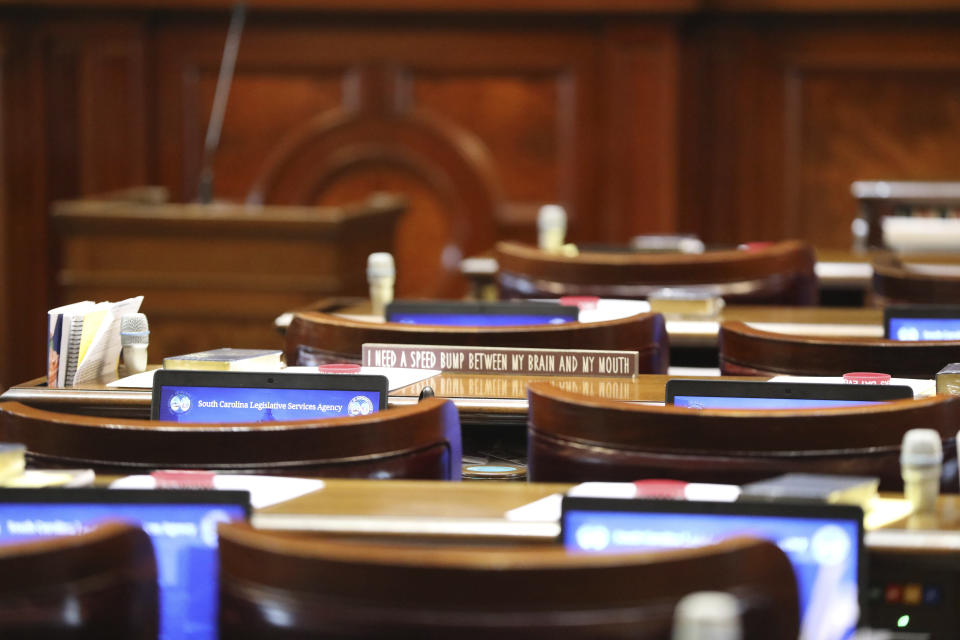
(917, 311)
(97, 495)
(266, 380)
(792, 390)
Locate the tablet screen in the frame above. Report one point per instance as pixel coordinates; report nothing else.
(182, 526)
(210, 397)
(922, 322)
(823, 543)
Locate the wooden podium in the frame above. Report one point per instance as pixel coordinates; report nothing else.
(216, 275)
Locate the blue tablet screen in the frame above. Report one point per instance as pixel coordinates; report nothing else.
(244, 404)
(476, 319)
(184, 540)
(824, 552)
(912, 329)
(721, 402)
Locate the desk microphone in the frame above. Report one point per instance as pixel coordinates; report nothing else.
(921, 460)
(551, 227)
(707, 615)
(381, 275)
(134, 337)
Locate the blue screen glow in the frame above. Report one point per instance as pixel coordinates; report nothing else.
(911, 329)
(184, 540)
(823, 552)
(719, 402)
(476, 319)
(241, 404)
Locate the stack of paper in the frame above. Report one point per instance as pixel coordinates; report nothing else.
(84, 340)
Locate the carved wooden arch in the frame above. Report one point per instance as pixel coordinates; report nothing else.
(452, 162)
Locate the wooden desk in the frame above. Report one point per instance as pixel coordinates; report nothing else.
(913, 551)
(696, 331)
(480, 399)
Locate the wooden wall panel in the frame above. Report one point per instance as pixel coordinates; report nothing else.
(787, 112)
(477, 126)
(74, 122)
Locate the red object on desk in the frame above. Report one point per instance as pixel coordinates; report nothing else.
(580, 302)
(177, 479)
(665, 489)
(339, 367)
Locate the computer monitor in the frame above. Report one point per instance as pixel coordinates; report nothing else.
(823, 542)
(480, 314)
(921, 322)
(182, 524)
(742, 394)
(255, 396)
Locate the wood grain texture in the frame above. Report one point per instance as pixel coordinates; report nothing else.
(315, 337)
(99, 584)
(421, 441)
(352, 588)
(577, 438)
(746, 351)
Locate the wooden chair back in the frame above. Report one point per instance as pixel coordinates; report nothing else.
(318, 337)
(895, 282)
(420, 441)
(781, 273)
(575, 438)
(746, 351)
(282, 586)
(99, 584)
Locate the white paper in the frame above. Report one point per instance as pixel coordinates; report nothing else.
(607, 309)
(821, 329)
(396, 378)
(921, 388)
(265, 491)
(104, 352)
(548, 508)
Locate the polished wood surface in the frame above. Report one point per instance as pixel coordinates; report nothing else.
(420, 441)
(745, 350)
(781, 273)
(293, 586)
(316, 337)
(576, 438)
(97, 584)
(214, 275)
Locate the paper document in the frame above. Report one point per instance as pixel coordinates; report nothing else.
(264, 491)
(921, 388)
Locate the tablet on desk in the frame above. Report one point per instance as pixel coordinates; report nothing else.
(741, 394)
(480, 314)
(823, 542)
(182, 526)
(921, 322)
(254, 396)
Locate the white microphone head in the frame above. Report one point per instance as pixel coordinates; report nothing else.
(380, 265)
(551, 216)
(707, 615)
(134, 329)
(921, 448)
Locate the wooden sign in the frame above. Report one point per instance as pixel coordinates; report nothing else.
(503, 360)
